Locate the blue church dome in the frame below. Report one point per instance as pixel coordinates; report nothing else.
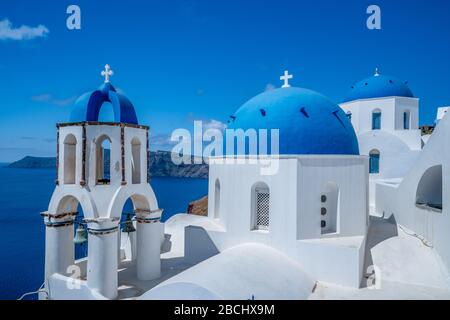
(379, 86)
(87, 107)
(308, 122)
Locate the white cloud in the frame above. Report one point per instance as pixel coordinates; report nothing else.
(161, 142)
(48, 98)
(214, 124)
(8, 32)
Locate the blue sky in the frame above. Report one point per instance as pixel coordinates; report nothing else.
(180, 61)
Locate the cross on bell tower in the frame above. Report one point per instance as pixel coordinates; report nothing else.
(286, 78)
(107, 73)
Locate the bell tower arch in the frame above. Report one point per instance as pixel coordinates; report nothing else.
(100, 165)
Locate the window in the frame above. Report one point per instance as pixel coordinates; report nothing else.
(376, 119)
(261, 207)
(329, 211)
(70, 153)
(374, 161)
(106, 113)
(429, 190)
(103, 153)
(406, 120)
(217, 199)
(135, 161)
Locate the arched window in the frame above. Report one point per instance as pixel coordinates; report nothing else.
(70, 204)
(217, 199)
(260, 206)
(406, 120)
(329, 211)
(135, 161)
(103, 154)
(106, 112)
(70, 155)
(376, 119)
(429, 190)
(374, 161)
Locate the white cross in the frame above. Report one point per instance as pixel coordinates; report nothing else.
(286, 78)
(377, 72)
(107, 73)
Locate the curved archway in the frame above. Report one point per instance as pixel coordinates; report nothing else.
(429, 189)
(376, 119)
(374, 161)
(106, 112)
(70, 155)
(102, 160)
(69, 204)
(217, 199)
(135, 161)
(66, 201)
(90, 105)
(260, 204)
(145, 199)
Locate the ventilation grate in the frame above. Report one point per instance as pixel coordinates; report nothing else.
(262, 209)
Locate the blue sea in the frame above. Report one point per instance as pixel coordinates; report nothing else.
(26, 192)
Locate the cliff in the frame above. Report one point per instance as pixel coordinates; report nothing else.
(34, 163)
(199, 207)
(161, 165)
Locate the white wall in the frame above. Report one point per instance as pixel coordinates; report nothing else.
(433, 226)
(295, 214)
(399, 148)
(391, 108)
(96, 201)
(350, 174)
(103, 203)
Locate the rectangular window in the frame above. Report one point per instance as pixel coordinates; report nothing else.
(406, 120)
(376, 121)
(262, 209)
(374, 163)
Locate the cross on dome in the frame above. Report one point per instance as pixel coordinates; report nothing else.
(286, 78)
(377, 72)
(107, 73)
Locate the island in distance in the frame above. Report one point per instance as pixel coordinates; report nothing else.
(161, 165)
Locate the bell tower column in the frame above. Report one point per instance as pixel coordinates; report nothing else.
(59, 248)
(148, 252)
(102, 256)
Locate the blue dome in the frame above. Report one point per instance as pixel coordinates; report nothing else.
(379, 86)
(308, 122)
(87, 107)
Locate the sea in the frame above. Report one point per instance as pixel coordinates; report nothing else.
(24, 193)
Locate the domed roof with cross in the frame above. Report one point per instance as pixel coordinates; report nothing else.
(87, 106)
(379, 86)
(308, 122)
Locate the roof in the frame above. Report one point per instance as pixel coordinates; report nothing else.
(308, 123)
(379, 86)
(87, 106)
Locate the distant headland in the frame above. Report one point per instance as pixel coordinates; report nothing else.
(161, 165)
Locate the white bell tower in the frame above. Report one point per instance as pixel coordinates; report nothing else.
(100, 165)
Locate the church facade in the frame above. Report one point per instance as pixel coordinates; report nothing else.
(315, 227)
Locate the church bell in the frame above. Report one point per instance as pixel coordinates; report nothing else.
(128, 225)
(80, 235)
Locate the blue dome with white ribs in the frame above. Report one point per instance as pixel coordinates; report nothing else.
(379, 86)
(308, 122)
(87, 107)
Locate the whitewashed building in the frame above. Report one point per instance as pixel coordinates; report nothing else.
(385, 115)
(286, 222)
(99, 167)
